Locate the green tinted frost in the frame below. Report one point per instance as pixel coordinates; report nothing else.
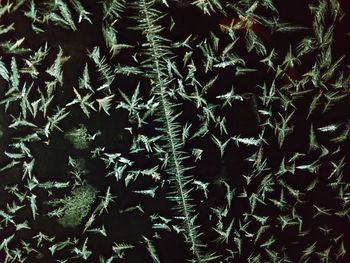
(76, 206)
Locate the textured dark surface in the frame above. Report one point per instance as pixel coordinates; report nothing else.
(304, 189)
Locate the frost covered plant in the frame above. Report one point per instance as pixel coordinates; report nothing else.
(74, 208)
